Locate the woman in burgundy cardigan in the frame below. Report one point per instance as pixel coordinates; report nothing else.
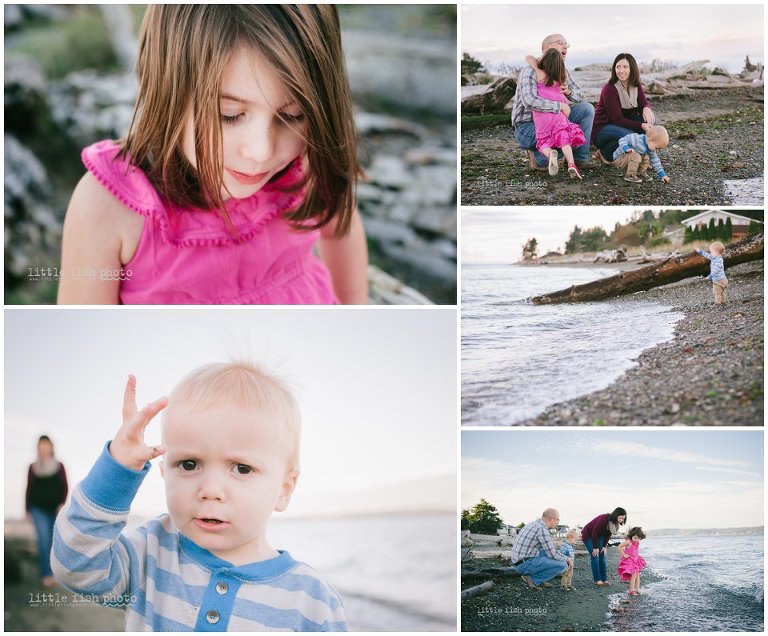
(46, 494)
(595, 536)
(623, 108)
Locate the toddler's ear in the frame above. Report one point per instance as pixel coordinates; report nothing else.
(286, 490)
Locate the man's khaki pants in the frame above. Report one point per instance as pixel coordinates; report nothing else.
(718, 288)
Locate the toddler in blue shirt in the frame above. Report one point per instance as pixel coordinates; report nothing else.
(230, 448)
(716, 271)
(566, 580)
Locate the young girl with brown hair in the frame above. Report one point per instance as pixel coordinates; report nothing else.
(240, 160)
(553, 130)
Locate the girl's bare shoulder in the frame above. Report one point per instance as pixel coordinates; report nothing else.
(98, 214)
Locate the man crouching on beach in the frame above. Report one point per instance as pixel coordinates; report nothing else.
(534, 553)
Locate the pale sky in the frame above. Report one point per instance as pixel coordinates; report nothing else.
(496, 235)
(377, 390)
(663, 479)
(722, 33)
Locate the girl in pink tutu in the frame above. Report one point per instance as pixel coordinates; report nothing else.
(553, 130)
(631, 563)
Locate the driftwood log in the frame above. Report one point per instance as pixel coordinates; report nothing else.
(477, 590)
(667, 271)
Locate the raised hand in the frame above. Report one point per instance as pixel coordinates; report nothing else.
(128, 447)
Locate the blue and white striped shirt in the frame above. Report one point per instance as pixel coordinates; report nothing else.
(639, 144)
(567, 550)
(716, 266)
(166, 582)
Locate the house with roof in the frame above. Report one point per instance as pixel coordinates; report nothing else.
(740, 223)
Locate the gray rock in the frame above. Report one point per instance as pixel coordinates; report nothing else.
(32, 229)
(91, 106)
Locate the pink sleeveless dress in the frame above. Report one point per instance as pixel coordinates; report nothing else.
(632, 564)
(189, 256)
(553, 130)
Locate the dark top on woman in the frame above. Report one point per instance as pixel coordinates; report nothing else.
(597, 528)
(47, 493)
(609, 111)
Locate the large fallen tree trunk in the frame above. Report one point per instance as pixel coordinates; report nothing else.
(667, 271)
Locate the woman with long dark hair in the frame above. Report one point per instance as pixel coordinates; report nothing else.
(595, 536)
(46, 493)
(623, 108)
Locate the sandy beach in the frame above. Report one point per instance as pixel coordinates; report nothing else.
(710, 374)
(512, 606)
(715, 136)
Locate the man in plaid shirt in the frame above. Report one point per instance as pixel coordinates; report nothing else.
(527, 100)
(534, 553)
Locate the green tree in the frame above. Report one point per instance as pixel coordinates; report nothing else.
(712, 229)
(465, 519)
(572, 244)
(704, 232)
(484, 518)
(754, 227)
(530, 249)
(696, 233)
(687, 235)
(728, 230)
(470, 65)
(721, 230)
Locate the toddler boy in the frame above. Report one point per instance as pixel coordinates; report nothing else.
(636, 152)
(230, 441)
(566, 580)
(716, 271)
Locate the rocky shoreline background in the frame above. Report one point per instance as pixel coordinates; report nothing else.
(401, 62)
(710, 374)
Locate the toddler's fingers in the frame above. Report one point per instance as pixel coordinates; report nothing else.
(157, 451)
(144, 417)
(129, 398)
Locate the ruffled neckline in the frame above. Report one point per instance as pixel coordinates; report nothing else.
(183, 227)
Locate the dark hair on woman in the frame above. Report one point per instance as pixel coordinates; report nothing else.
(45, 438)
(619, 512)
(553, 66)
(634, 70)
(636, 532)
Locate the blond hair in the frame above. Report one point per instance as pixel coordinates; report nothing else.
(183, 51)
(247, 386)
(717, 245)
(572, 533)
(659, 135)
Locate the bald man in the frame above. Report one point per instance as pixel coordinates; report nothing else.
(527, 100)
(534, 553)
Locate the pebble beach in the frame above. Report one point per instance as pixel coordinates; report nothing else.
(710, 374)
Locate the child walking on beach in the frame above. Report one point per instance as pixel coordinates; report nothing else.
(631, 563)
(637, 152)
(716, 270)
(240, 161)
(566, 580)
(230, 447)
(553, 130)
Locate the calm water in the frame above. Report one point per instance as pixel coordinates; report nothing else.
(518, 359)
(708, 584)
(394, 573)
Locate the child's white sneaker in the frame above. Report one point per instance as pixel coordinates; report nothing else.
(553, 164)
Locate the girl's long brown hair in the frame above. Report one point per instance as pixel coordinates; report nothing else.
(553, 66)
(183, 50)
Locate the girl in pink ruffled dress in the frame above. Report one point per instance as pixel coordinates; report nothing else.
(553, 130)
(235, 183)
(631, 563)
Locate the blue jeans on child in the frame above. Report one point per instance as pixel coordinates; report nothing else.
(542, 568)
(43, 521)
(599, 567)
(582, 114)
